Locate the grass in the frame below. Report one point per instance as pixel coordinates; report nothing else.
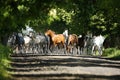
(4, 62)
(112, 53)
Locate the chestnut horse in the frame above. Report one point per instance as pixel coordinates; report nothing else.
(56, 39)
(72, 42)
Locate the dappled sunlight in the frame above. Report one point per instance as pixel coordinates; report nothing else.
(64, 67)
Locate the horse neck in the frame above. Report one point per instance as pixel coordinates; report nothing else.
(51, 34)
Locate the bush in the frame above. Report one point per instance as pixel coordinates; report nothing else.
(4, 62)
(112, 53)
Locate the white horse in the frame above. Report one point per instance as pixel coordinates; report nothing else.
(98, 44)
(27, 43)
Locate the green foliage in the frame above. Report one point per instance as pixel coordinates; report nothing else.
(79, 16)
(4, 62)
(112, 53)
(97, 23)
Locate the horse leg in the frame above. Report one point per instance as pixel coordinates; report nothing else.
(56, 48)
(68, 49)
(81, 51)
(100, 51)
(64, 47)
(37, 47)
(87, 50)
(27, 48)
(33, 47)
(47, 48)
(24, 48)
(51, 48)
(72, 50)
(78, 51)
(20, 48)
(44, 48)
(93, 49)
(16, 50)
(40, 49)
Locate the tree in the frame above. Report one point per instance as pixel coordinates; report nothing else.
(79, 16)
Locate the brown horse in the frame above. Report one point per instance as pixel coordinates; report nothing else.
(56, 39)
(72, 42)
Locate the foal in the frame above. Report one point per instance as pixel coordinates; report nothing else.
(72, 42)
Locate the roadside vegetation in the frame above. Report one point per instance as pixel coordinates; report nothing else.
(112, 53)
(4, 62)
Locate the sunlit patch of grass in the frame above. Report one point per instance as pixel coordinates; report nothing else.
(4, 75)
(112, 53)
(4, 64)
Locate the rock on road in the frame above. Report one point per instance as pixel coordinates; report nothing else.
(44, 67)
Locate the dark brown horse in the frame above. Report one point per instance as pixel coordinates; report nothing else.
(56, 39)
(72, 42)
(81, 43)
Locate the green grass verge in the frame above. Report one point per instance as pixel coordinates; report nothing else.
(112, 53)
(4, 62)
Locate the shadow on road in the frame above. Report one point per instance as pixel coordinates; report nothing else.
(65, 61)
(85, 61)
(70, 76)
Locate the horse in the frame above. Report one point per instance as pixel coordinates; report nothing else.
(98, 44)
(56, 39)
(16, 41)
(42, 42)
(81, 43)
(88, 43)
(11, 41)
(72, 42)
(28, 43)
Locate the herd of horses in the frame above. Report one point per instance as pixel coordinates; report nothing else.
(49, 41)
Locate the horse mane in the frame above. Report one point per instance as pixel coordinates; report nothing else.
(75, 36)
(52, 31)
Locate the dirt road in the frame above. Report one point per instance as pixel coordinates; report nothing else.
(44, 67)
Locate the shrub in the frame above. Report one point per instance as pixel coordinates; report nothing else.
(112, 53)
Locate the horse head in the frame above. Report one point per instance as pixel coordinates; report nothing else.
(49, 33)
